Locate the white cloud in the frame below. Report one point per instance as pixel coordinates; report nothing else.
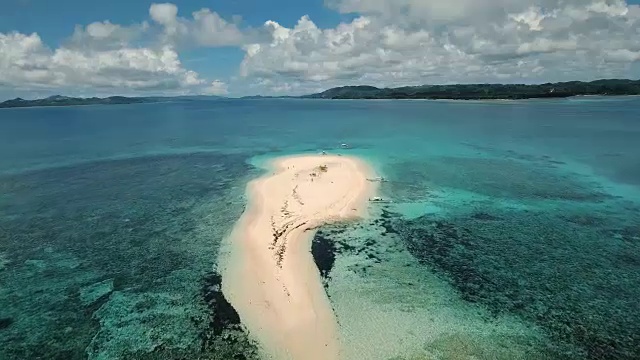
(25, 62)
(217, 87)
(206, 28)
(105, 35)
(623, 55)
(400, 42)
(429, 11)
(165, 14)
(103, 57)
(532, 17)
(388, 43)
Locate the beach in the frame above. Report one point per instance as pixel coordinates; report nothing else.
(270, 277)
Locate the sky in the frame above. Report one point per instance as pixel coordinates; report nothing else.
(291, 47)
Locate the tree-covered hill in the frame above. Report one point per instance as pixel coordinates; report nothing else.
(485, 91)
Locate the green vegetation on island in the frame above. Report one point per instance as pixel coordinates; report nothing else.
(58, 100)
(485, 91)
(607, 87)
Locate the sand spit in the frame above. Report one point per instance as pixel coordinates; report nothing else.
(270, 276)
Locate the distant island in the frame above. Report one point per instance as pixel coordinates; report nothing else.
(262, 97)
(606, 87)
(58, 100)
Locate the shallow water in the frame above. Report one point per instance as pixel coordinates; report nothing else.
(514, 231)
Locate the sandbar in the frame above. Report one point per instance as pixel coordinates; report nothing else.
(269, 275)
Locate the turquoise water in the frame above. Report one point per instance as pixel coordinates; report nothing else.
(514, 230)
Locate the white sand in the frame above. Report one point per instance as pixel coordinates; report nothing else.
(270, 277)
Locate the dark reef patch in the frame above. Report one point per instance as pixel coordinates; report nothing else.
(540, 160)
(224, 326)
(483, 216)
(324, 251)
(223, 315)
(117, 212)
(570, 276)
(384, 222)
(628, 172)
(5, 322)
(336, 239)
(141, 221)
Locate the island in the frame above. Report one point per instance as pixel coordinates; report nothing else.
(607, 87)
(59, 100)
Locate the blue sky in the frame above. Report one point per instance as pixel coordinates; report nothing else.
(54, 22)
(241, 47)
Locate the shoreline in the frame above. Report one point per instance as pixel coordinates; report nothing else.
(269, 275)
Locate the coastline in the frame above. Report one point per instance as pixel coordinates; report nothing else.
(269, 275)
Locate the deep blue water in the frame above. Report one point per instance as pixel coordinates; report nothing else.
(111, 216)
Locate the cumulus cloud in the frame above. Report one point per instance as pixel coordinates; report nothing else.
(388, 43)
(205, 28)
(399, 42)
(103, 57)
(423, 11)
(25, 62)
(217, 87)
(165, 14)
(105, 35)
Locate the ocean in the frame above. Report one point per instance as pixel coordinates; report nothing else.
(512, 229)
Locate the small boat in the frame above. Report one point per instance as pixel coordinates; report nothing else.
(379, 200)
(345, 146)
(378, 179)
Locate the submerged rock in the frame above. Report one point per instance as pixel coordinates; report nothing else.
(5, 322)
(92, 293)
